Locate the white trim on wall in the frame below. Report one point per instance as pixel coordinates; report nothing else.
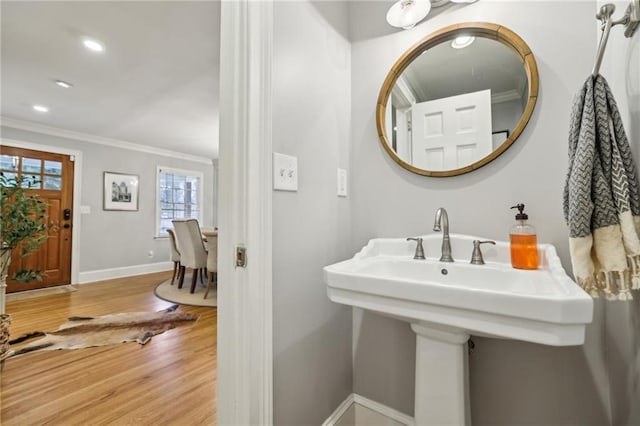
(245, 335)
(86, 137)
(77, 193)
(335, 417)
(124, 271)
(383, 410)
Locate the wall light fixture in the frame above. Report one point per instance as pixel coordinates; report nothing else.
(407, 13)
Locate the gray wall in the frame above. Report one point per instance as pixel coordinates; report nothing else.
(621, 68)
(511, 382)
(113, 239)
(311, 117)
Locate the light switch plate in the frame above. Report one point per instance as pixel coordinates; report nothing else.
(85, 209)
(285, 172)
(342, 183)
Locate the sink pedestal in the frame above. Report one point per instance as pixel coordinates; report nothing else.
(442, 379)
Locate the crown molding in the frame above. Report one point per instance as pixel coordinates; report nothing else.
(86, 137)
(509, 95)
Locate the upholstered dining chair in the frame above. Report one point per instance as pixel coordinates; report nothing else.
(175, 255)
(212, 261)
(192, 251)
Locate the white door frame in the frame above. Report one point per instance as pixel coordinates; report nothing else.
(245, 354)
(77, 195)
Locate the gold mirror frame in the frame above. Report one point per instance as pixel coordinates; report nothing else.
(481, 29)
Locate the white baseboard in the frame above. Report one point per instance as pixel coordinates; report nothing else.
(126, 271)
(339, 412)
(371, 405)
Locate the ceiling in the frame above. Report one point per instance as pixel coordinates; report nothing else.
(443, 71)
(155, 84)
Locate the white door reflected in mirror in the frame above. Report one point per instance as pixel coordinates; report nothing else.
(451, 133)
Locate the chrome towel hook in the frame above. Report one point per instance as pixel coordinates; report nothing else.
(630, 20)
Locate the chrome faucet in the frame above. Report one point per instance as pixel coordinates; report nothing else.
(443, 217)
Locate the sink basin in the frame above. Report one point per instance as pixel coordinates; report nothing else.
(447, 302)
(541, 306)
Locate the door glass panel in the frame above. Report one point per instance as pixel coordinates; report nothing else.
(52, 167)
(52, 182)
(31, 181)
(10, 176)
(8, 162)
(33, 165)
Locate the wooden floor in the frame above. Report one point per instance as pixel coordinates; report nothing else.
(169, 381)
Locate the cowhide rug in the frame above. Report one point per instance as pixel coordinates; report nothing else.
(85, 332)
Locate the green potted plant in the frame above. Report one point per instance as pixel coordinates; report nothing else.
(23, 226)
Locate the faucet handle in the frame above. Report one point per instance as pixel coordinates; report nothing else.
(419, 249)
(476, 256)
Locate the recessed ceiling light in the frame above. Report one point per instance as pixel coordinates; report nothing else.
(64, 84)
(41, 108)
(462, 41)
(93, 45)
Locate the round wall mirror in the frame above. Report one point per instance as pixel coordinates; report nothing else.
(457, 99)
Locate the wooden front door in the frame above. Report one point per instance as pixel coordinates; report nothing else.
(55, 175)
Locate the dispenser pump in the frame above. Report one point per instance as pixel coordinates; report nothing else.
(522, 215)
(524, 241)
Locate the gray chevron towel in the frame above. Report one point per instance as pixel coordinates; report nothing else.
(601, 196)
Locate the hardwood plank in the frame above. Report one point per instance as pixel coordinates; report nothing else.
(169, 381)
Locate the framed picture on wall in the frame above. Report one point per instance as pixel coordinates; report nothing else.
(120, 191)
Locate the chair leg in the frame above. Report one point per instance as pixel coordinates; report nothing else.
(209, 279)
(181, 273)
(194, 279)
(175, 272)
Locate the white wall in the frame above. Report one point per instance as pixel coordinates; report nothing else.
(511, 382)
(115, 239)
(621, 68)
(312, 368)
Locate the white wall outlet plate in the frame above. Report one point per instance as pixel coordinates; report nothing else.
(285, 172)
(342, 183)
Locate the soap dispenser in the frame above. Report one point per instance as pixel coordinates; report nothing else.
(524, 241)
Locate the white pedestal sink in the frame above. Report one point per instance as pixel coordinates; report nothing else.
(447, 302)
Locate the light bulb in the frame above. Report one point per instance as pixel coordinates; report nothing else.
(407, 13)
(64, 84)
(93, 45)
(462, 41)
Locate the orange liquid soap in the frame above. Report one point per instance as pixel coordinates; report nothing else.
(524, 251)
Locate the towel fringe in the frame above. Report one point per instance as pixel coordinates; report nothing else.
(611, 285)
(634, 263)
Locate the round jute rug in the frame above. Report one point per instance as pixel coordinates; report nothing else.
(171, 293)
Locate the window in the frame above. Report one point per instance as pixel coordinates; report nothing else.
(179, 196)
